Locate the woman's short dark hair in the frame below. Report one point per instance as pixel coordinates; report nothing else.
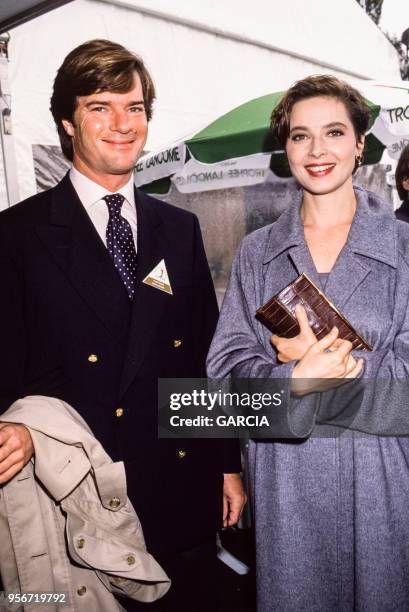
(402, 173)
(97, 65)
(320, 85)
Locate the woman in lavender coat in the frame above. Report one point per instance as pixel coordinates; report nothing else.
(331, 513)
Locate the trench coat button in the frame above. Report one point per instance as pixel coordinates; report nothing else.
(181, 454)
(177, 343)
(119, 412)
(82, 590)
(130, 560)
(114, 502)
(81, 543)
(92, 358)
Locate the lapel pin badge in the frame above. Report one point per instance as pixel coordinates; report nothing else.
(177, 343)
(158, 278)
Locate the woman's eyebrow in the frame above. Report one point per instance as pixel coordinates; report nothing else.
(328, 125)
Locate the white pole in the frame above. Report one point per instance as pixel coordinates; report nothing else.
(6, 133)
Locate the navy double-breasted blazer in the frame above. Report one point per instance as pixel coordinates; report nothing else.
(69, 330)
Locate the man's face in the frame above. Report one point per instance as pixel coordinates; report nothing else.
(108, 133)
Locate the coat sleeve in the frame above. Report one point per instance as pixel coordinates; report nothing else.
(205, 310)
(12, 326)
(237, 350)
(378, 403)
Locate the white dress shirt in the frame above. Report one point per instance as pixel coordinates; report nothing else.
(91, 195)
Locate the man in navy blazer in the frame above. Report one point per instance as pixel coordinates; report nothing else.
(81, 319)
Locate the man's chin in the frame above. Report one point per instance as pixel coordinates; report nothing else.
(121, 170)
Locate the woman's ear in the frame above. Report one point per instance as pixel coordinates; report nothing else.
(360, 143)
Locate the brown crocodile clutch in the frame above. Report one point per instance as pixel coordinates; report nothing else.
(278, 314)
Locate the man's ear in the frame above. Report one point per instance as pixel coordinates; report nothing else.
(68, 127)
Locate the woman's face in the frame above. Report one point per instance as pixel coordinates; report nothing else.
(321, 146)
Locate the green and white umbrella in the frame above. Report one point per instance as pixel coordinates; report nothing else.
(237, 149)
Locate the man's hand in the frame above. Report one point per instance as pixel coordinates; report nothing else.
(16, 449)
(290, 349)
(234, 499)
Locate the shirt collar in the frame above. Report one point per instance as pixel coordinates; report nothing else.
(90, 192)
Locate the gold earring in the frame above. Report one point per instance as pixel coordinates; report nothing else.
(358, 160)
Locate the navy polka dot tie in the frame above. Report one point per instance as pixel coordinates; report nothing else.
(120, 242)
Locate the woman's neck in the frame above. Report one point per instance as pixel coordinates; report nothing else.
(328, 210)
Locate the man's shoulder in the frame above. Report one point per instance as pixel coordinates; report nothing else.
(27, 211)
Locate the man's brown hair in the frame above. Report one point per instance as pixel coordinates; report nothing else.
(402, 173)
(320, 85)
(95, 66)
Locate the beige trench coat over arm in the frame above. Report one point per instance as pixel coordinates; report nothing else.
(71, 495)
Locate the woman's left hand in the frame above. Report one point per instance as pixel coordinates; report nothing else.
(291, 349)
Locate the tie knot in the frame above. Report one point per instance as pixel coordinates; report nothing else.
(114, 202)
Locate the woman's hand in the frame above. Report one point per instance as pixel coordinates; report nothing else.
(290, 349)
(327, 364)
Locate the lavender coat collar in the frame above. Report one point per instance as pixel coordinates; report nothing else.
(372, 236)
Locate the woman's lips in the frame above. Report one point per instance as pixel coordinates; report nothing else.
(318, 170)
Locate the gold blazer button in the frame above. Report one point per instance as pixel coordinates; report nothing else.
(177, 343)
(92, 358)
(181, 454)
(114, 503)
(119, 412)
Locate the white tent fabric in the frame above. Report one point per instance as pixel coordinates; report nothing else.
(199, 74)
(391, 128)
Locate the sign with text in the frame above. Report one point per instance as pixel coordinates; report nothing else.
(155, 166)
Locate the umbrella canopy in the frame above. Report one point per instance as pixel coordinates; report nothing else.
(238, 149)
